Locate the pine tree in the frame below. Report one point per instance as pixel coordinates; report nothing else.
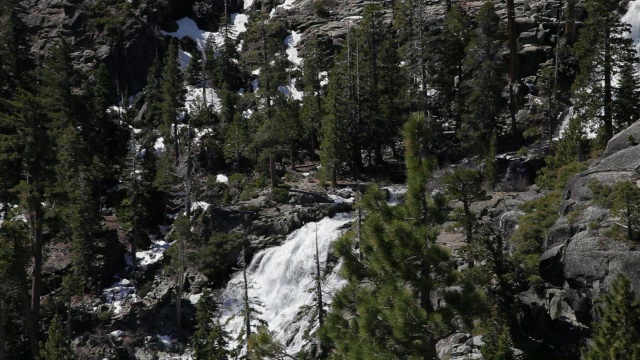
(210, 340)
(16, 60)
(617, 333)
(237, 139)
(153, 95)
(600, 49)
(334, 142)
(465, 185)
(136, 180)
(194, 71)
(484, 102)
(312, 110)
(173, 99)
(448, 64)
(626, 205)
(57, 345)
(385, 310)
(626, 110)
(497, 342)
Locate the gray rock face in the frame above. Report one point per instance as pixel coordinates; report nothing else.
(582, 256)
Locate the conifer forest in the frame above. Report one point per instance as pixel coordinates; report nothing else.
(319, 179)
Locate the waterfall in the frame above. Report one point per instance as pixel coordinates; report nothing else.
(281, 277)
(632, 17)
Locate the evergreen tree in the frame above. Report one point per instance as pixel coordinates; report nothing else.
(194, 72)
(237, 139)
(626, 109)
(385, 310)
(497, 342)
(484, 102)
(272, 74)
(448, 64)
(626, 205)
(334, 144)
(153, 95)
(465, 185)
(16, 61)
(601, 47)
(312, 109)
(173, 99)
(616, 334)
(57, 345)
(136, 181)
(210, 340)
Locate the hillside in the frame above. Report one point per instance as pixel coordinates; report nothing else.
(319, 179)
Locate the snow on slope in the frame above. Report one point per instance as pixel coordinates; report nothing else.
(188, 28)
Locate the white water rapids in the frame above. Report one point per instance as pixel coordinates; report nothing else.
(281, 277)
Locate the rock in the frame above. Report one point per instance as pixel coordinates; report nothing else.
(475, 341)
(625, 139)
(551, 266)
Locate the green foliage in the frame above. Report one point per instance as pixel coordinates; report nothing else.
(465, 185)
(497, 342)
(279, 195)
(539, 215)
(484, 102)
(600, 48)
(57, 345)
(617, 333)
(263, 345)
(623, 199)
(210, 340)
(217, 255)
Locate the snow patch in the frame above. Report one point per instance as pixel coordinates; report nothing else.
(291, 42)
(159, 145)
(194, 298)
(194, 97)
(153, 255)
(222, 178)
(118, 293)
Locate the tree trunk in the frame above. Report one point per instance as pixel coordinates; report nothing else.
(36, 276)
(608, 69)
(272, 170)
(3, 317)
(28, 314)
(513, 65)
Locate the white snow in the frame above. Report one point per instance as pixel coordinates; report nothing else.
(194, 298)
(118, 293)
(200, 205)
(159, 145)
(282, 275)
(166, 339)
(153, 255)
(248, 3)
(187, 27)
(194, 96)
(184, 58)
(222, 178)
(290, 90)
(323, 76)
(291, 42)
(340, 200)
(117, 333)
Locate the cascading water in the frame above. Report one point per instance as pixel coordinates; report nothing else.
(632, 17)
(281, 277)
